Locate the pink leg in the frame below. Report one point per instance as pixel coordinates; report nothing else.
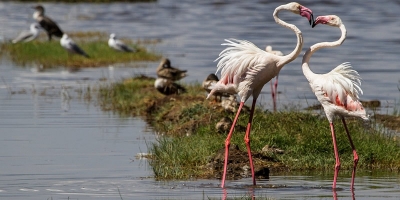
(228, 142)
(274, 92)
(337, 165)
(355, 156)
(247, 140)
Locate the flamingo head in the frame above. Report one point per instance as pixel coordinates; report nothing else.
(331, 20)
(301, 10)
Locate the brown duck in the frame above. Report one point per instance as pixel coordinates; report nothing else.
(166, 71)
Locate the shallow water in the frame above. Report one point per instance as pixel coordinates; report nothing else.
(54, 143)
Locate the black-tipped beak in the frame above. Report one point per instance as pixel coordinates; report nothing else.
(312, 20)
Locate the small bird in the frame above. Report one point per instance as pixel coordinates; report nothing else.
(118, 45)
(26, 36)
(223, 125)
(168, 87)
(274, 86)
(337, 90)
(209, 83)
(71, 46)
(46, 23)
(165, 70)
(245, 69)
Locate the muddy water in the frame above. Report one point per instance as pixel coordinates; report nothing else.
(55, 143)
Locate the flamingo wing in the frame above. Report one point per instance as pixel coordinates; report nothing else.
(339, 87)
(237, 62)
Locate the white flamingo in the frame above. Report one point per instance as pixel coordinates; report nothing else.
(337, 90)
(245, 69)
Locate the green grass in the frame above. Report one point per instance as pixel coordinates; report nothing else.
(51, 54)
(304, 136)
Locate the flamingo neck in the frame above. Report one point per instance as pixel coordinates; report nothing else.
(295, 53)
(306, 58)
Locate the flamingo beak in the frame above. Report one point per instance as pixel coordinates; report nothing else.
(320, 20)
(306, 12)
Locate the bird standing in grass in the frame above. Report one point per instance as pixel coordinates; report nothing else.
(118, 45)
(26, 36)
(168, 87)
(245, 69)
(71, 46)
(46, 23)
(165, 70)
(337, 91)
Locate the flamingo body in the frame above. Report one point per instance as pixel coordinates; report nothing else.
(338, 90)
(245, 69)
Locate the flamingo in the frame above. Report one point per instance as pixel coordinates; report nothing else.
(274, 86)
(165, 70)
(245, 69)
(337, 91)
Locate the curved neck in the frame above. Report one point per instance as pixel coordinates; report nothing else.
(295, 53)
(306, 58)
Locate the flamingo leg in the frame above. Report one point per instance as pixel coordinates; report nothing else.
(228, 142)
(247, 140)
(337, 165)
(355, 156)
(274, 91)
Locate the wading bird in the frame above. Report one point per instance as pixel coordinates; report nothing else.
(337, 91)
(26, 36)
(71, 46)
(165, 70)
(245, 69)
(46, 23)
(274, 86)
(118, 45)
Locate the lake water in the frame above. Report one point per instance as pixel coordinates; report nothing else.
(55, 144)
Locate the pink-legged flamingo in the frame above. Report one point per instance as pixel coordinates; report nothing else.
(245, 69)
(274, 86)
(337, 91)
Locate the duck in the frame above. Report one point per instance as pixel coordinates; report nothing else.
(166, 71)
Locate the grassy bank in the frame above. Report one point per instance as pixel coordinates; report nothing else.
(51, 54)
(191, 140)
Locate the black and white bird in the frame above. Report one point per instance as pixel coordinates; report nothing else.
(118, 45)
(165, 70)
(168, 87)
(26, 36)
(46, 23)
(71, 46)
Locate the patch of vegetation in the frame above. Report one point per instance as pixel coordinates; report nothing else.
(191, 140)
(50, 54)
